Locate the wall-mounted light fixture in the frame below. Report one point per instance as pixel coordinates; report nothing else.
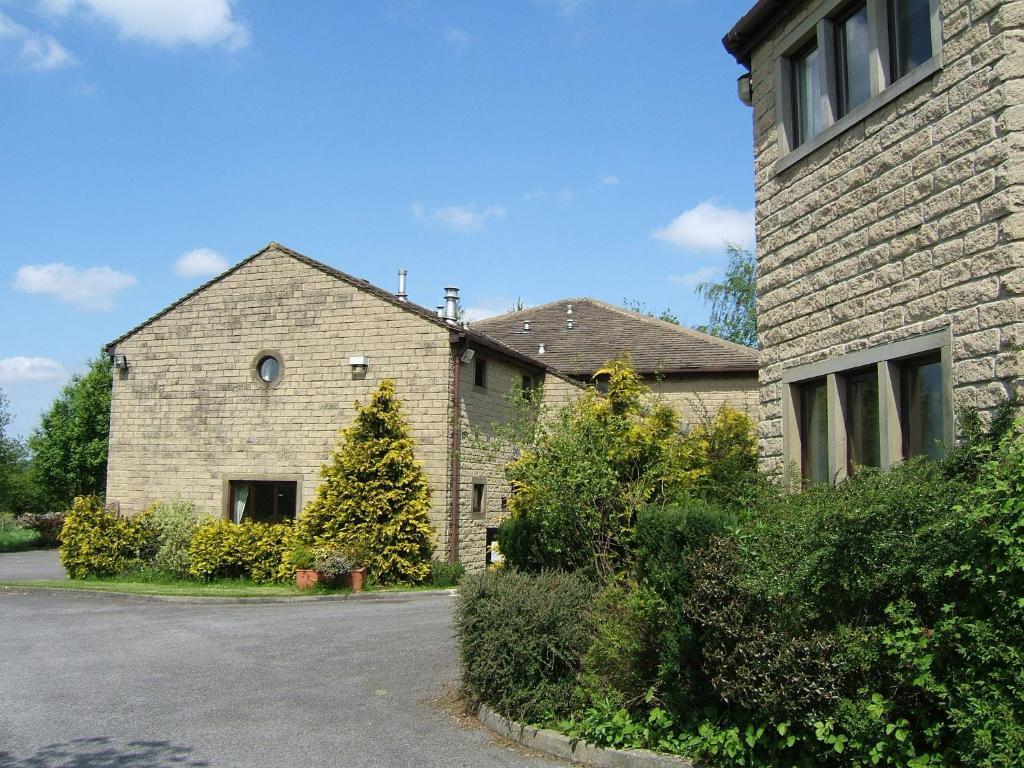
(359, 363)
(467, 355)
(745, 90)
(121, 362)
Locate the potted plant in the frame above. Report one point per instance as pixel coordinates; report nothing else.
(358, 556)
(302, 558)
(332, 565)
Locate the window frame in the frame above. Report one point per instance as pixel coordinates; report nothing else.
(822, 29)
(887, 360)
(228, 481)
(480, 372)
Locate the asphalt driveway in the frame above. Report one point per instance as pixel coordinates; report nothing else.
(38, 564)
(112, 683)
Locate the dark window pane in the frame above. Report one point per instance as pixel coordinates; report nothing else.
(852, 66)
(921, 409)
(478, 500)
(263, 502)
(480, 373)
(910, 35)
(814, 432)
(806, 89)
(269, 369)
(862, 420)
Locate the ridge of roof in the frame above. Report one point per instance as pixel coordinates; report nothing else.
(358, 283)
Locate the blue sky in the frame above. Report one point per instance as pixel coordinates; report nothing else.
(535, 149)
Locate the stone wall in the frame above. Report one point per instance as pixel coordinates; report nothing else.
(700, 398)
(190, 412)
(909, 222)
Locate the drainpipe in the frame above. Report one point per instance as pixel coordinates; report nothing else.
(456, 446)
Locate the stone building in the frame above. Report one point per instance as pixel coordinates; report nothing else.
(693, 371)
(233, 396)
(888, 178)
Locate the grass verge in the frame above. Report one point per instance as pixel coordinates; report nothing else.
(147, 584)
(18, 539)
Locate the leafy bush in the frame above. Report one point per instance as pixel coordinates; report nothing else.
(375, 496)
(47, 525)
(221, 549)
(173, 524)
(578, 488)
(445, 574)
(522, 638)
(577, 491)
(96, 542)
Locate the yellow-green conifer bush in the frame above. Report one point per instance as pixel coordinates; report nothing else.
(374, 497)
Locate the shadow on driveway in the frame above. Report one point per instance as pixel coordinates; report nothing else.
(105, 753)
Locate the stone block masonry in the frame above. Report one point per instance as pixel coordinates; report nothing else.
(909, 222)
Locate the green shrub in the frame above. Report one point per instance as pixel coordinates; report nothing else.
(621, 664)
(47, 525)
(445, 574)
(522, 638)
(374, 497)
(173, 524)
(221, 549)
(97, 542)
(577, 491)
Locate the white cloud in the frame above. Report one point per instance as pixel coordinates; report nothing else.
(14, 370)
(169, 23)
(567, 9)
(95, 288)
(709, 226)
(459, 218)
(34, 50)
(691, 279)
(489, 307)
(609, 180)
(201, 262)
(456, 36)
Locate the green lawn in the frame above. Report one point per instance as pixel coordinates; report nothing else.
(142, 584)
(17, 539)
(137, 585)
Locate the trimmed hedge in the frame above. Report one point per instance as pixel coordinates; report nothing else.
(521, 640)
(221, 549)
(96, 542)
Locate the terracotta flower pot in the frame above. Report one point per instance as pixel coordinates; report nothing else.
(354, 579)
(306, 579)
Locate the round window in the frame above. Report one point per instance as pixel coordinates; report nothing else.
(268, 369)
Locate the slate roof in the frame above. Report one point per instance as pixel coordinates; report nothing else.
(602, 331)
(458, 332)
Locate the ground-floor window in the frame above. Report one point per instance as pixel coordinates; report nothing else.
(263, 501)
(870, 408)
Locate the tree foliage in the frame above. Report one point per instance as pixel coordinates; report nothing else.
(733, 301)
(640, 307)
(11, 462)
(374, 499)
(69, 449)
